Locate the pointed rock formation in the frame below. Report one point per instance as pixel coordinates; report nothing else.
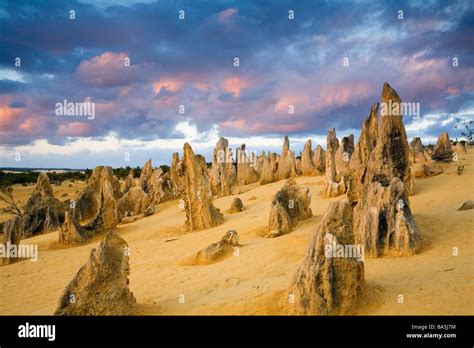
(319, 159)
(217, 250)
(299, 167)
(222, 174)
(286, 163)
(101, 286)
(335, 184)
(418, 154)
(96, 207)
(246, 173)
(196, 192)
(260, 159)
(325, 283)
(129, 182)
(290, 205)
(43, 212)
(156, 184)
(12, 232)
(99, 195)
(460, 148)
(307, 165)
(269, 169)
(390, 157)
(159, 187)
(422, 164)
(442, 151)
(360, 157)
(72, 232)
(133, 202)
(174, 177)
(383, 222)
(343, 157)
(145, 175)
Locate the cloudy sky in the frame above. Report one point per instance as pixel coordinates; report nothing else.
(329, 62)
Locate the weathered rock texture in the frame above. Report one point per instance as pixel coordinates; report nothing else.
(442, 151)
(156, 184)
(335, 184)
(101, 286)
(269, 169)
(95, 210)
(308, 167)
(383, 222)
(259, 164)
(428, 168)
(246, 173)
(98, 199)
(174, 177)
(135, 201)
(129, 182)
(196, 192)
(290, 205)
(460, 148)
(222, 175)
(422, 164)
(319, 159)
(390, 156)
(418, 154)
(217, 250)
(467, 205)
(323, 284)
(43, 212)
(343, 157)
(360, 157)
(287, 162)
(236, 207)
(72, 232)
(12, 233)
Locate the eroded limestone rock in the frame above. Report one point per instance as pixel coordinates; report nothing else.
(236, 207)
(290, 205)
(287, 162)
(325, 284)
(217, 250)
(442, 151)
(101, 286)
(43, 212)
(196, 192)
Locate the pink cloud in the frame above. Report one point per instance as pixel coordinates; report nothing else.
(255, 127)
(226, 15)
(342, 94)
(173, 85)
(300, 103)
(32, 125)
(235, 84)
(108, 69)
(74, 129)
(9, 117)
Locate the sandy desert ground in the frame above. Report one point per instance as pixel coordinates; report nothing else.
(256, 281)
